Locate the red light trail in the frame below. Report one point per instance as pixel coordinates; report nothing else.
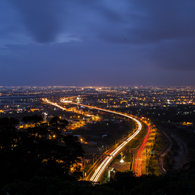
(138, 160)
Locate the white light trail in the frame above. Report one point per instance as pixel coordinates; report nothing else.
(100, 170)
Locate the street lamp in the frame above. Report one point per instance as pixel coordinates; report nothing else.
(122, 161)
(122, 157)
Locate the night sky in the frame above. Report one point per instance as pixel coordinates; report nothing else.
(97, 42)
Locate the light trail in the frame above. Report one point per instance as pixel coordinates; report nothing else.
(138, 161)
(54, 104)
(100, 170)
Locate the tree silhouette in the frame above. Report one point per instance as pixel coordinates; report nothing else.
(32, 119)
(8, 134)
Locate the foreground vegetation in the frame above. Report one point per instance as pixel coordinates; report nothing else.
(30, 163)
(37, 152)
(179, 182)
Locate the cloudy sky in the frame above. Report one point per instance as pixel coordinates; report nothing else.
(97, 42)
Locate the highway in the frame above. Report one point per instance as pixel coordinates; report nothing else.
(105, 163)
(138, 160)
(96, 176)
(147, 149)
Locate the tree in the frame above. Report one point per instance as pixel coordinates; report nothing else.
(124, 180)
(32, 119)
(56, 121)
(36, 156)
(8, 134)
(8, 122)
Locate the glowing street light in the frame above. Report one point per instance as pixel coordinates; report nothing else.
(122, 157)
(101, 168)
(122, 161)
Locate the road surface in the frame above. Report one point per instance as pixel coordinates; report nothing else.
(138, 160)
(96, 176)
(105, 163)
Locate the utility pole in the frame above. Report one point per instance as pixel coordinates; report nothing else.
(131, 161)
(146, 162)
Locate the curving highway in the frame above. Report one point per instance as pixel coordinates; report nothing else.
(96, 176)
(105, 163)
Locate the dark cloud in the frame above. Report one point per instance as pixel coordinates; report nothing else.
(175, 55)
(107, 42)
(154, 21)
(40, 18)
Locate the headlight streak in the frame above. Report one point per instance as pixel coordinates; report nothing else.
(95, 177)
(100, 170)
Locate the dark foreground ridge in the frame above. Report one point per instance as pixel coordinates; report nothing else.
(179, 182)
